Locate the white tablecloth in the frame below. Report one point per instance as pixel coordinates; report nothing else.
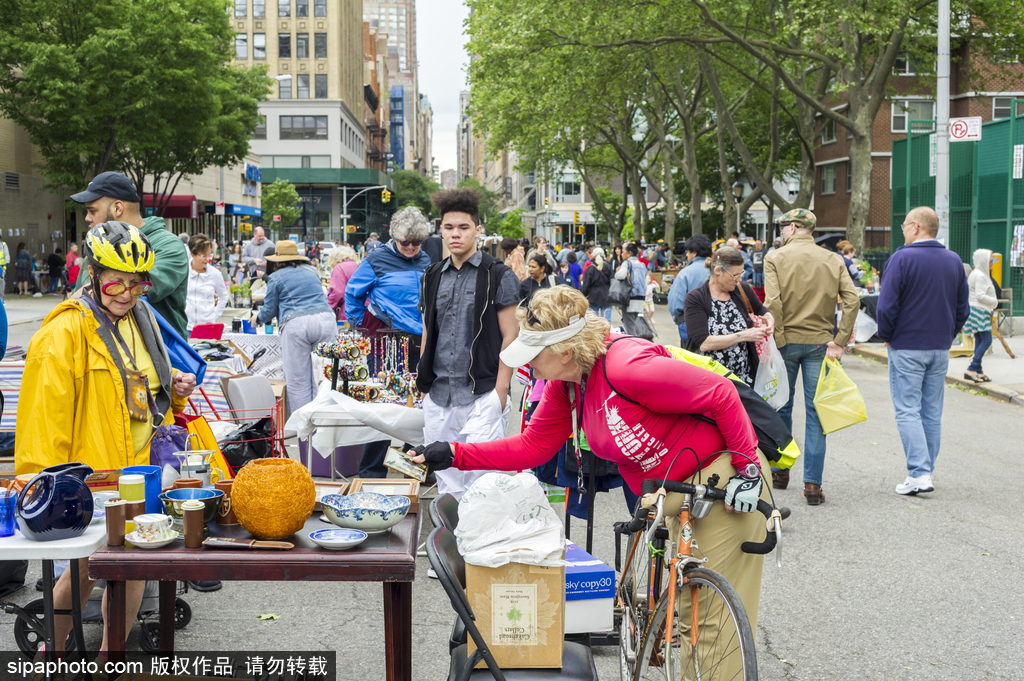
(19, 547)
(270, 364)
(336, 420)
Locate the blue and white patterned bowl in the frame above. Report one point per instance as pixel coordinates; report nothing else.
(337, 539)
(367, 511)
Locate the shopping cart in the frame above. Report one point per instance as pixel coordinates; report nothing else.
(243, 434)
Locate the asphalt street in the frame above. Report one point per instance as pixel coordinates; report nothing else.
(873, 585)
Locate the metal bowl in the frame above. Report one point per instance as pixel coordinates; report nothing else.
(211, 498)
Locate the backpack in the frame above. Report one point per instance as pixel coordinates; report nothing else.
(773, 437)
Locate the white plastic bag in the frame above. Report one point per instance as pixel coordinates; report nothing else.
(772, 380)
(864, 328)
(508, 519)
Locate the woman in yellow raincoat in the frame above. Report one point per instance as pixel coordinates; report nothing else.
(84, 391)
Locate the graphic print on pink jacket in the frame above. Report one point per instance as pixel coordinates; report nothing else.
(642, 439)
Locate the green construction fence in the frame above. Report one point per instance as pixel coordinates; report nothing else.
(986, 203)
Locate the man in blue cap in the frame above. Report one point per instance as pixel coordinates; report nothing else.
(112, 196)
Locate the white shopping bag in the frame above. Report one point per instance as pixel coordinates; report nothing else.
(772, 381)
(508, 519)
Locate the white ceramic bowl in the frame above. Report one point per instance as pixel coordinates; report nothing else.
(337, 539)
(367, 511)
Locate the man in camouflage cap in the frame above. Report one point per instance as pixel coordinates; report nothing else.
(801, 283)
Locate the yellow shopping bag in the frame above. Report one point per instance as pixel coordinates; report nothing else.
(838, 402)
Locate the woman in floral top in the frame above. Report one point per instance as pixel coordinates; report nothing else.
(724, 319)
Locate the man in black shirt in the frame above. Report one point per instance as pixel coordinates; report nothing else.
(56, 263)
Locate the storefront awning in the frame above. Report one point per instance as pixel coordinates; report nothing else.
(178, 206)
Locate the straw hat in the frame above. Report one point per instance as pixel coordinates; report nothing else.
(286, 250)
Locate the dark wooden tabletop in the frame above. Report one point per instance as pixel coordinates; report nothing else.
(388, 557)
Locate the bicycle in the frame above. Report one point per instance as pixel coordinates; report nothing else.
(717, 642)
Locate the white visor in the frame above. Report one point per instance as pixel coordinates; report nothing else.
(529, 343)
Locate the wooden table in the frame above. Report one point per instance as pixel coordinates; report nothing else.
(389, 558)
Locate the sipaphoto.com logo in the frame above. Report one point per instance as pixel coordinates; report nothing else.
(69, 668)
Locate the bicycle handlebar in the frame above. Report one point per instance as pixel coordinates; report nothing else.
(650, 485)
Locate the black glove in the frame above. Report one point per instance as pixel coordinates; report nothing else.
(742, 493)
(437, 455)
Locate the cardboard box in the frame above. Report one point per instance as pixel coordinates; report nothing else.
(589, 593)
(520, 612)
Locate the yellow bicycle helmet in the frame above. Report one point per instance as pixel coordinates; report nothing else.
(119, 246)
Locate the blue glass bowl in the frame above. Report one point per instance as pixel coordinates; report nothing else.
(367, 511)
(56, 504)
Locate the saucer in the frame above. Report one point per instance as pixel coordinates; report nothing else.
(138, 541)
(337, 539)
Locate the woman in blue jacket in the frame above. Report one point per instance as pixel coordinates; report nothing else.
(383, 295)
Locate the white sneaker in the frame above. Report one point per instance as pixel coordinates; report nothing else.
(431, 573)
(913, 486)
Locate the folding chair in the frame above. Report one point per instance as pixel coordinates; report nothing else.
(577, 659)
(444, 512)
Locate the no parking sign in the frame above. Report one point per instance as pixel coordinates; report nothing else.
(965, 129)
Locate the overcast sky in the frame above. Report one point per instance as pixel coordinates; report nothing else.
(442, 56)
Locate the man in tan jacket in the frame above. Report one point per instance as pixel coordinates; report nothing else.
(802, 282)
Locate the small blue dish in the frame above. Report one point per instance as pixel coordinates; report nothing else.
(337, 539)
(186, 493)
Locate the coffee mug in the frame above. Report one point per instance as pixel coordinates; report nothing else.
(183, 483)
(225, 514)
(153, 526)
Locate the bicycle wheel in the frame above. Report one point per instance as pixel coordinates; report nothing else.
(724, 643)
(636, 587)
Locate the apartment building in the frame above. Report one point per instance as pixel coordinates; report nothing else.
(314, 130)
(376, 99)
(976, 89)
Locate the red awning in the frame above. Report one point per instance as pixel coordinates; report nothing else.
(178, 206)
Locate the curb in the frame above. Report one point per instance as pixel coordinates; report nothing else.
(990, 389)
(26, 321)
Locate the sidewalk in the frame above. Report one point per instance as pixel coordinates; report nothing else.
(1007, 374)
(26, 309)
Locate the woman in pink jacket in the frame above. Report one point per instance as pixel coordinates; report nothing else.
(342, 263)
(663, 418)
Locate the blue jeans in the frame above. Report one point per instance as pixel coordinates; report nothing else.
(806, 359)
(758, 279)
(917, 383)
(603, 311)
(982, 342)
(682, 335)
(55, 285)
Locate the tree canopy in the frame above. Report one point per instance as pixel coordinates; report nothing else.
(280, 198)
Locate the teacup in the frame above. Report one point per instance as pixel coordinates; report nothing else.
(153, 526)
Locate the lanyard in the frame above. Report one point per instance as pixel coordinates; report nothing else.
(97, 312)
(577, 420)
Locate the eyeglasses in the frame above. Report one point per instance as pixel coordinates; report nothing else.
(737, 277)
(908, 224)
(116, 288)
(407, 244)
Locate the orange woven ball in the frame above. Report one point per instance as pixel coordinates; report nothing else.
(273, 498)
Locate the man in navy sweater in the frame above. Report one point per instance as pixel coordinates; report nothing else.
(922, 307)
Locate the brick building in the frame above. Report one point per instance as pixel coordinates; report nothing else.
(988, 95)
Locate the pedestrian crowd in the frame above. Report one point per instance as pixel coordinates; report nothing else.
(473, 317)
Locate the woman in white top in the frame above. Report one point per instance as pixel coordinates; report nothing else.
(983, 302)
(207, 294)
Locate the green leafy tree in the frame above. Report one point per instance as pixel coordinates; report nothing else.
(512, 224)
(280, 198)
(94, 83)
(413, 189)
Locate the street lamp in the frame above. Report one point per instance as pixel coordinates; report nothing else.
(737, 191)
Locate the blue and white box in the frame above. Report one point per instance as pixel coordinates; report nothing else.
(589, 592)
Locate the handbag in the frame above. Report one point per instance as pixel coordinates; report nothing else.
(167, 440)
(763, 350)
(620, 290)
(643, 328)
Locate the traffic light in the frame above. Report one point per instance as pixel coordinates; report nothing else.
(575, 217)
(385, 196)
(581, 229)
(546, 201)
